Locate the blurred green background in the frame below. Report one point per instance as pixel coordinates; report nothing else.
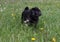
(11, 29)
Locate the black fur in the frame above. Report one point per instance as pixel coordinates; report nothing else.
(32, 15)
(25, 15)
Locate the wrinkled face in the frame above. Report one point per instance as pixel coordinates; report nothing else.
(35, 13)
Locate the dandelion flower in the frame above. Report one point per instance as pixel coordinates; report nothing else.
(53, 39)
(33, 39)
(13, 14)
(41, 29)
(58, 4)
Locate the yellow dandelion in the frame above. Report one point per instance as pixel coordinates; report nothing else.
(13, 14)
(33, 39)
(53, 39)
(41, 29)
(58, 4)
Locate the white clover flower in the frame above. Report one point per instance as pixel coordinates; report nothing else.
(0, 5)
(4, 8)
(1, 10)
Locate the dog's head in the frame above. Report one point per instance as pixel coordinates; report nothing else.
(35, 11)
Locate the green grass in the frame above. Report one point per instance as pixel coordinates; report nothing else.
(11, 30)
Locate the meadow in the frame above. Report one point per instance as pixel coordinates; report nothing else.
(48, 28)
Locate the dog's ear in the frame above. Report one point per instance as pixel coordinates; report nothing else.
(26, 8)
(40, 13)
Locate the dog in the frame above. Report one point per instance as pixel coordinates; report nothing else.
(31, 16)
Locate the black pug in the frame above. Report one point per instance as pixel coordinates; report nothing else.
(31, 16)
